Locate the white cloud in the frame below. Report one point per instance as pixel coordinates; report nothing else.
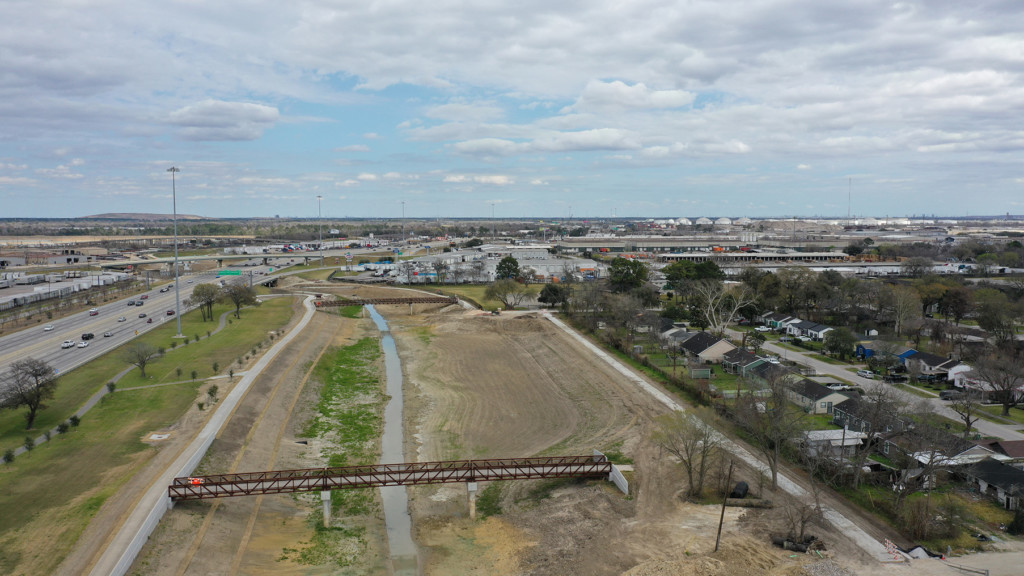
(367, 177)
(371, 136)
(494, 179)
(803, 166)
(610, 95)
(219, 120)
(354, 148)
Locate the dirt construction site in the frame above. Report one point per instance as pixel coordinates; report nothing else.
(476, 386)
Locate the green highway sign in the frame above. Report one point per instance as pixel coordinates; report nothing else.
(231, 273)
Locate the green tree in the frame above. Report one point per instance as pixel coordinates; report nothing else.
(29, 384)
(508, 292)
(625, 274)
(204, 296)
(508, 268)
(839, 342)
(553, 294)
(240, 295)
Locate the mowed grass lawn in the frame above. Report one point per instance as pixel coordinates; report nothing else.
(51, 493)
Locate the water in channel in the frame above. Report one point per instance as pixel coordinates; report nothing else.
(395, 498)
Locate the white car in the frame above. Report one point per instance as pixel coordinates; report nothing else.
(866, 374)
(48, 327)
(763, 329)
(68, 344)
(122, 319)
(83, 343)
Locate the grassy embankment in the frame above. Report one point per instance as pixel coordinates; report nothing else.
(51, 493)
(349, 422)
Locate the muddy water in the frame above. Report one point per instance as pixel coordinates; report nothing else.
(395, 498)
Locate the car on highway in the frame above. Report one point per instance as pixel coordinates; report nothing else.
(88, 336)
(122, 319)
(143, 315)
(150, 321)
(83, 343)
(131, 302)
(190, 281)
(165, 289)
(68, 344)
(170, 312)
(139, 302)
(108, 334)
(48, 328)
(94, 312)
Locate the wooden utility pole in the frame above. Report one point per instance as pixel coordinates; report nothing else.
(725, 498)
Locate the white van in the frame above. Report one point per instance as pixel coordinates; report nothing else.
(866, 374)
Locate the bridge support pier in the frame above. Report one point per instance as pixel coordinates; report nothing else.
(325, 497)
(471, 490)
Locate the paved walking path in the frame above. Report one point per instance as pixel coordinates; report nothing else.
(841, 523)
(120, 552)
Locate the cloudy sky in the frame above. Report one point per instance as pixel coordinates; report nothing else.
(532, 108)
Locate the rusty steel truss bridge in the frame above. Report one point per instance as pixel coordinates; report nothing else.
(367, 301)
(324, 479)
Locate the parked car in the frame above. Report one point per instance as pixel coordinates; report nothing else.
(763, 329)
(68, 344)
(866, 374)
(838, 387)
(143, 315)
(895, 378)
(83, 343)
(48, 328)
(951, 395)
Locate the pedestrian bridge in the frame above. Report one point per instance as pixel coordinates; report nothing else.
(371, 301)
(407, 474)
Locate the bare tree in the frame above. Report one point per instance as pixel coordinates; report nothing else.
(406, 269)
(906, 306)
(1004, 373)
(441, 269)
(772, 420)
(693, 442)
(28, 384)
(968, 408)
(880, 414)
(140, 354)
(718, 304)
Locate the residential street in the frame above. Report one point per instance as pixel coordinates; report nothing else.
(985, 427)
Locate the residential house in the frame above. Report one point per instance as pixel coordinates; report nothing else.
(778, 320)
(856, 414)
(815, 398)
(808, 329)
(973, 380)
(835, 444)
(1012, 449)
(740, 361)
(925, 363)
(1000, 480)
(707, 348)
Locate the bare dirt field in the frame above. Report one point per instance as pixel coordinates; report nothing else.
(481, 386)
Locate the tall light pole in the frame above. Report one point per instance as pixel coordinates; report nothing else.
(403, 220)
(492, 221)
(177, 288)
(320, 229)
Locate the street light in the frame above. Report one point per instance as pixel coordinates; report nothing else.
(492, 221)
(320, 229)
(177, 288)
(403, 220)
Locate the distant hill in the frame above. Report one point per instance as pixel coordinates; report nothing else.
(142, 217)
